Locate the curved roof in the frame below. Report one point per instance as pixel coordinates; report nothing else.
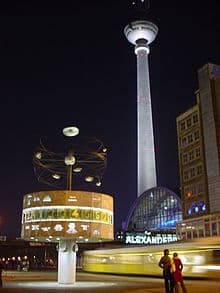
(157, 208)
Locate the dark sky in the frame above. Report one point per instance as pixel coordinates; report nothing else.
(68, 63)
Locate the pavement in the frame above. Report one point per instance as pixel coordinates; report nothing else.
(40, 282)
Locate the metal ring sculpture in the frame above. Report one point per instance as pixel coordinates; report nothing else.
(85, 159)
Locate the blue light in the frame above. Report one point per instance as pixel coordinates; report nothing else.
(196, 209)
(189, 211)
(203, 208)
(169, 223)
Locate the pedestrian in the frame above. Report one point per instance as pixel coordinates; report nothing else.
(165, 264)
(1, 270)
(177, 273)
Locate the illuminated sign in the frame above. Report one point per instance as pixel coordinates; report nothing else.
(67, 214)
(149, 238)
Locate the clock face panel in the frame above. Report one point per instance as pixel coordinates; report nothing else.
(79, 215)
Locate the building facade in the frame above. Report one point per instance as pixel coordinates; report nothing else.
(198, 131)
(193, 177)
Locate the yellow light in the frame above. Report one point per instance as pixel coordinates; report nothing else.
(56, 176)
(89, 178)
(77, 170)
(70, 160)
(38, 155)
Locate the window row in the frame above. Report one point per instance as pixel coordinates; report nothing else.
(189, 122)
(199, 228)
(191, 155)
(194, 189)
(192, 172)
(190, 139)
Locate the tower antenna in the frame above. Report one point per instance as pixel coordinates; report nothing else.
(139, 9)
(141, 4)
(148, 5)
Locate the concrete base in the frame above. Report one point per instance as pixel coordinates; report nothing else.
(67, 262)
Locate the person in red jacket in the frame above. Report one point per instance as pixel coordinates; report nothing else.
(177, 268)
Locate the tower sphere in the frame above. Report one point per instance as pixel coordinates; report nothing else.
(141, 30)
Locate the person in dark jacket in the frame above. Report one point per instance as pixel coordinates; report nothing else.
(165, 264)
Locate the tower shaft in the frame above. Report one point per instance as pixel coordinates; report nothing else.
(141, 33)
(145, 138)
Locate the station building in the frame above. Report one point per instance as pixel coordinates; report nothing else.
(157, 209)
(152, 218)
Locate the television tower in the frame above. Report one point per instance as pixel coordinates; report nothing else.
(141, 32)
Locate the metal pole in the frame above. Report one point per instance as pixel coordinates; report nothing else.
(70, 177)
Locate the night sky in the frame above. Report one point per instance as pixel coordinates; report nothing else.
(69, 63)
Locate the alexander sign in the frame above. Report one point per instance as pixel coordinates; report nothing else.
(149, 238)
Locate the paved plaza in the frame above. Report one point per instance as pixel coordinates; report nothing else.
(40, 282)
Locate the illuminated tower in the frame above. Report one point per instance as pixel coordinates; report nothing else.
(141, 32)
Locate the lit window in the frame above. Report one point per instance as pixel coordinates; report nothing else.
(191, 155)
(199, 170)
(189, 122)
(196, 135)
(185, 175)
(184, 158)
(197, 152)
(182, 126)
(192, 172)
(190, 138)
(195, 118)
(184, 142)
